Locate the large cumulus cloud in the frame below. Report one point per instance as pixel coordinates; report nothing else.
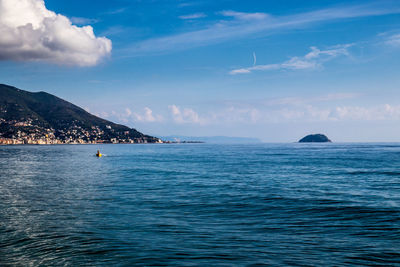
(31, 32)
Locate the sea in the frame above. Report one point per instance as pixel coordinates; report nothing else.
(200, 205)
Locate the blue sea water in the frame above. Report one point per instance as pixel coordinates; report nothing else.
(200, 205)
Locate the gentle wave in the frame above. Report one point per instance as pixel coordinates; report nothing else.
(202, 205)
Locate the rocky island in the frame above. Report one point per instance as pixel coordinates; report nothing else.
(315, 138)
(42, 118)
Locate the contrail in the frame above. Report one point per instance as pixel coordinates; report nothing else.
(255, 58)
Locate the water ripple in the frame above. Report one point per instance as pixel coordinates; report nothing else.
(200, 205)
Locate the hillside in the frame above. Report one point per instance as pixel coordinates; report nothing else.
(28, 117)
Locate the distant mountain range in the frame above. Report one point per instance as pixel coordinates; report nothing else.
(42, 118)
(212, 139)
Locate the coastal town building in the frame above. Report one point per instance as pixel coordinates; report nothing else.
(26, 132)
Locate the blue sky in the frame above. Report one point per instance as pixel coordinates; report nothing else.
(275, 70)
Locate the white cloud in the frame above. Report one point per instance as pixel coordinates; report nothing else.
(83, 21)
(185, 115)
(305, 113)
(116, 11)
(31, 32)
(175, 111)
(300, 101)
(324, 108)
(286, 110)
(115, 31)
(127, 116)
(311, 60)
(377, 113)
(240, 71)
(128, 112)
(243, 15)
(394, 40)
(147, 116)
(247, 24)
(193, 16)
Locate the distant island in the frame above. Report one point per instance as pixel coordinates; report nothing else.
(315, 138)
(42, 118)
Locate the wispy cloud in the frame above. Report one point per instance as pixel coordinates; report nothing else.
(83, 21)
(146, 116)
(243, 15)
(187, 4)
(393, 40)
(116, 11)
(246, 24)
(114, 30)
(305, 113)
(301, 101)
(185, 115)
(377, 113)
(311, 60)
(193, 16)
(323, 108)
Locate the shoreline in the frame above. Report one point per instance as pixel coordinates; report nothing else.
(61, 144)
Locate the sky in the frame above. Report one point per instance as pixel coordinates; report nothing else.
(273, 70)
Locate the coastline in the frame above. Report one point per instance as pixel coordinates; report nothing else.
(13, 142)
(102, 143)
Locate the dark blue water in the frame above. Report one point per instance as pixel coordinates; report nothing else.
(200, 205)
